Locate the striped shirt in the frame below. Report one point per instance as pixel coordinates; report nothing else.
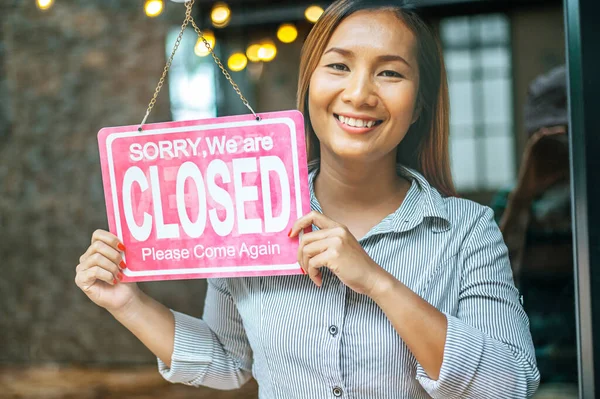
(301, 341)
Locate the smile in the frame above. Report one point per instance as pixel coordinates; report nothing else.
(355, 125)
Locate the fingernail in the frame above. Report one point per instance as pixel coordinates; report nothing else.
(120, 276)
(121, 247)
(290, 233)
(114, 281)
(122, 265)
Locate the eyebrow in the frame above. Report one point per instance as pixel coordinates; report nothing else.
(382, 58)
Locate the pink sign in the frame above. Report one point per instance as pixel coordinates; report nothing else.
(207, 198)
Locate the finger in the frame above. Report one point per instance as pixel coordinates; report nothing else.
(555, 130)
(99, 260)
(538, 136)
(306, 251)
(308, 238)
(338, 231)
(86, 278)
(314, 248)
(314, 267)
(108, 238)
(314, 217)
(107, 251)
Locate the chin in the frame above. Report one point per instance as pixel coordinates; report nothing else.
(356, 155)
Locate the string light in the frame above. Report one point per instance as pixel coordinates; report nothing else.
(252, 52)
(44, 4)
(313, 13)
(220, 15)
(237, 62)
(287, 33)
(267, 51)
(200, 48)
(154, 8)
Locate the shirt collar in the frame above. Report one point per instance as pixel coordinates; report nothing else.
(423, 204)
(427, 204)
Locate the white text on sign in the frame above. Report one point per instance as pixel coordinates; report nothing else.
(206, 185)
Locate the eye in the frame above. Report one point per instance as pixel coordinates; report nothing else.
(338, 67)
(391, 74)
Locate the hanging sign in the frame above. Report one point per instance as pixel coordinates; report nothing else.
(207, 198)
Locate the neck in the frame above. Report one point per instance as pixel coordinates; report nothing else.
(358, 185)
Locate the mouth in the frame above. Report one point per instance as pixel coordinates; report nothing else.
(357, 125)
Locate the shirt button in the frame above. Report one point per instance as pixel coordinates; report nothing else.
(337, 392)
(333, 330)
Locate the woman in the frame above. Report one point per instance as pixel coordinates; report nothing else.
(409, 291)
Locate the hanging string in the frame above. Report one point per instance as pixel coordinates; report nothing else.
(189, 19)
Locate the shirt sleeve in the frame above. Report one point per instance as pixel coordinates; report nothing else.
(213, 351)
(488, 352)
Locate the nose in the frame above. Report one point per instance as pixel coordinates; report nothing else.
(360, 90)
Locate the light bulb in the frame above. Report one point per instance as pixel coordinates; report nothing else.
(252, 52)
(237, 62)
(267, 51)
(44, 4)
(200, 48)
(153, 8)
(220, 15)
(287, 33)
(313, 13)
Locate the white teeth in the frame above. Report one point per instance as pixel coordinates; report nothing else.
(355, 122)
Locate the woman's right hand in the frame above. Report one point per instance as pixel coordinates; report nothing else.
(99, 273)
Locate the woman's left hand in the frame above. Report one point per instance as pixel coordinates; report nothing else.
(334, 247)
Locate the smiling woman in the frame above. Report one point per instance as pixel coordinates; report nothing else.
(408, 61)
(408, 290)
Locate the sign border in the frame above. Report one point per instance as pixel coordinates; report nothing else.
(110, 138)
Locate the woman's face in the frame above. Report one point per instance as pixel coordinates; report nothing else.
(362, 94)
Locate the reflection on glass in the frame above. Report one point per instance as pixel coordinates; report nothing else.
(463, 154)
(455, 31)
(192, 80)
(493, 29)
(461, 102)
(495, 57)
(458, 61)
(478, 59)
(497, 101)
(499, 170)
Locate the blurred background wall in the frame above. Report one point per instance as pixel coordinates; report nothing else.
(80, 65)
(66, 73)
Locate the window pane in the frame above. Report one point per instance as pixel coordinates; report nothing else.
(461, 131)
(498, 130)
(192, 80)
(497, 102)
(479, 64)
(494, 28)
(499, 162)
(461, 102)
(458, 60)
(495, 58)
(462, 160)
(186, 114)
(455, 31)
